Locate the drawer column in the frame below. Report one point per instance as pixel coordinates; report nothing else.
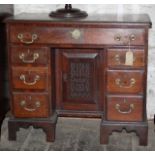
(125, 106)
(31, 89)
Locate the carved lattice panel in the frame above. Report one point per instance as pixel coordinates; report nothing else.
(80, 80)
(80, 77)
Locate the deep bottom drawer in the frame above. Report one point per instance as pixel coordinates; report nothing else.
(31, 105)
(124, 108)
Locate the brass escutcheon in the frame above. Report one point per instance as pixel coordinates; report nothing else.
(76, 34)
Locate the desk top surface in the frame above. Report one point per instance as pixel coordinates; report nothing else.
(98, 18)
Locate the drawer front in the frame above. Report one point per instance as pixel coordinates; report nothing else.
(120, 81)
(26, 56)
(30, 105)
(125, 108)
(30, 78)
(126, 58)
(29, 34)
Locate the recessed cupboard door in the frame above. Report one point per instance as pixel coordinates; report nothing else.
(79, 80)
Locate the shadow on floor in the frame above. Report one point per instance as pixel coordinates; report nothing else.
(74, 134)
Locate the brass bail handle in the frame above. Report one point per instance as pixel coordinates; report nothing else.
(33, 38)
(23, 104)
(35, 56)
(119, 82)
(130, 109)
(130, 38)
(23, 78)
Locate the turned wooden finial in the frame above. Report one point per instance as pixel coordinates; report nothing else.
(68, 12)
(68, 6)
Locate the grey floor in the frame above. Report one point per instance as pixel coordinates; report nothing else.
(74, 134)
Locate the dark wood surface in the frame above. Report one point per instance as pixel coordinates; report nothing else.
(129, 19)
(91, 64)
(3, 100)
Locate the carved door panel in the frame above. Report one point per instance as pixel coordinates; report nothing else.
(80, 73)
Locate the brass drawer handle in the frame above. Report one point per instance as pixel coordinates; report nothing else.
(23, 78)
(117, 37)
(121, 84)
(33, 38)
(35, 57)
(24, 104)
(76, 34)
(131, 108)
(118, 59)
(132, 37)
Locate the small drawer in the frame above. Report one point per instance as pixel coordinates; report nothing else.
(121, 81)
(30, 105)
(124, 108)
(31, 78)
(28, 55)
(26, 33)
(124, 58)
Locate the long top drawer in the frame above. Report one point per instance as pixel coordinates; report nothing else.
(46, 34)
